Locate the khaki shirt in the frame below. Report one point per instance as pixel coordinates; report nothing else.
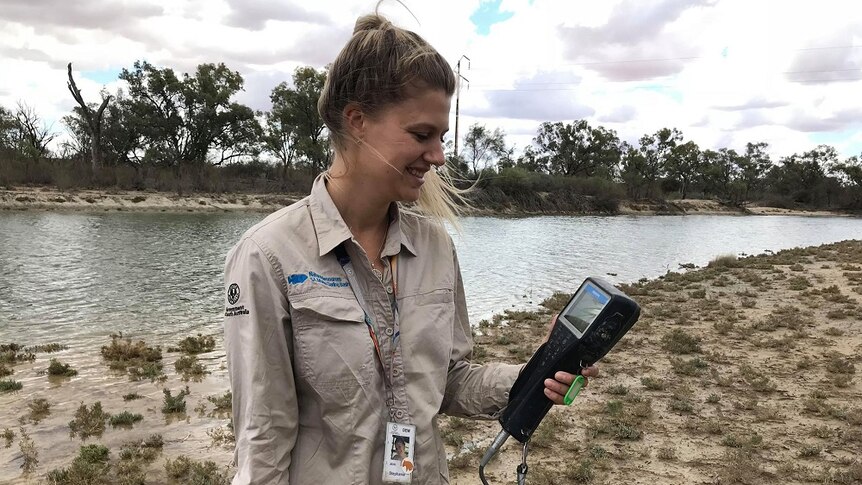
(308, 389)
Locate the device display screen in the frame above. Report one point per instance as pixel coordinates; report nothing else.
(586, 307)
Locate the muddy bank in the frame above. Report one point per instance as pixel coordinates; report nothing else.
(741, 372)
(44, 198)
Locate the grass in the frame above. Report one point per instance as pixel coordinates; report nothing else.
(8, 436)
(175, 404)
(29, 452)
(222, 402)
(653, 384)
(185, 470)
(190, 368)
(40, 409)
(692, 367)
(132, 396)
(8, 385)
(680, 342)
(5, 371)
(47, 348)
(123, 354)
(56, 368)
(195, 345)
(89, 421)
(125, 419)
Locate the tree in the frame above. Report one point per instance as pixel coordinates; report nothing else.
(632, 169)
(93, 118)
(803, 176)
(482, 147)
(577, 149)
(183, 120)
(720, 172)
(754, 164)
(684, 165)
(655, 150)
(8, 131)
(850, 174)
(294, 110)
(33, 136)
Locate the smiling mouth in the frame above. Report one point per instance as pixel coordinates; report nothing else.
(420, 174)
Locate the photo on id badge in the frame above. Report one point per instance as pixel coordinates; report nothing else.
(400, 439)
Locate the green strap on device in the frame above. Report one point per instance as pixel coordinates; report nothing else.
(574, 389)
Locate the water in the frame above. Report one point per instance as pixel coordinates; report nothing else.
(77, 277)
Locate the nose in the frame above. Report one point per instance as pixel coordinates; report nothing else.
(434, 155)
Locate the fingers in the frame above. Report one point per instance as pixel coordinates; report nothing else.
(557, 387)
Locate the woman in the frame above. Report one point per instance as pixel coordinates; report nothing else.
(346, 312)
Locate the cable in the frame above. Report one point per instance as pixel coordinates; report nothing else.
(492, 450)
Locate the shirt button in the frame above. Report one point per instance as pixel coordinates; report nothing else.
(389, 331)
(389, 289)
(399, 414)
(390, 402)
(396, 371)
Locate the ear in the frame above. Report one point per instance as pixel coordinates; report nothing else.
(355, 120)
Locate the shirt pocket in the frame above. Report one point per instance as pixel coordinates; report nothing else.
(333, 351)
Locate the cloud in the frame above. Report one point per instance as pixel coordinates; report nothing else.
(634, 43)
(838, 121)
(92, 14)
(751, 119)
(753, 103)
(837, 57)
(254, 14)
(620, 114)
(545, 96)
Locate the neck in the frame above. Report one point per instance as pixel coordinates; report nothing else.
(358, 200)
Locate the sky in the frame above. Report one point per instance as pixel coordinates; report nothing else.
(724, 72)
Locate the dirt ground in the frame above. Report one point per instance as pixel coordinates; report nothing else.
(44, 198)
(740, 372)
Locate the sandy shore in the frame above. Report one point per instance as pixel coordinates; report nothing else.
(740, 372)
(44, 198)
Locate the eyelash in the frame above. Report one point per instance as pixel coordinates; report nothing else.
(422, 137)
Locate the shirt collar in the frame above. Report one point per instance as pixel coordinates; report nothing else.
(331, 230)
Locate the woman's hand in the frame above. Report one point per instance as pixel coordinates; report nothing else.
(556, 388)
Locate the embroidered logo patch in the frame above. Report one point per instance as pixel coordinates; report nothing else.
(330, 281)
(233, 293)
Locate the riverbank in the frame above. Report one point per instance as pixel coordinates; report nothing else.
(740, 372)
(46, 198)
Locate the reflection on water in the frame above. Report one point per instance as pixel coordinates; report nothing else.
(76, 277)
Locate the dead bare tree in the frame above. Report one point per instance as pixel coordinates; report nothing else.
(34, 136)
(92, 117)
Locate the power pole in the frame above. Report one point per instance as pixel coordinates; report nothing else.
(458, 95)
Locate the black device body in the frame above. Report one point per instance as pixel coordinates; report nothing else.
(595, 318)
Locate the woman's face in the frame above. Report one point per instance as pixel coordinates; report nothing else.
(408, 135)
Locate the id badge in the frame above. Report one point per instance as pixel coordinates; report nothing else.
(398, 454)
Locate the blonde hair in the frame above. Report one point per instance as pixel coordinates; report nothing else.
(382, 65)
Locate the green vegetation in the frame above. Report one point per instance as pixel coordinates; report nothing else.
(222, 402)
(160, 133)
(190, 368)
(7, 385)
(29, 452)
(185, 470)
(175, 404)
(195, 345)
(138, 359)
(56, 368)
(132, 396)
(40, 409)
(125, 419)
(89, 421)
(9, 436)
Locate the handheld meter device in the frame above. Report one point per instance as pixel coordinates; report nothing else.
(589, 326)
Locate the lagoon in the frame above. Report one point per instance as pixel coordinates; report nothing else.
(77, 277)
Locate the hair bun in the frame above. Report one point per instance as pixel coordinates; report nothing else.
(370, 22)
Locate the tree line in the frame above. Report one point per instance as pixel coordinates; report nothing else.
(189, 128)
